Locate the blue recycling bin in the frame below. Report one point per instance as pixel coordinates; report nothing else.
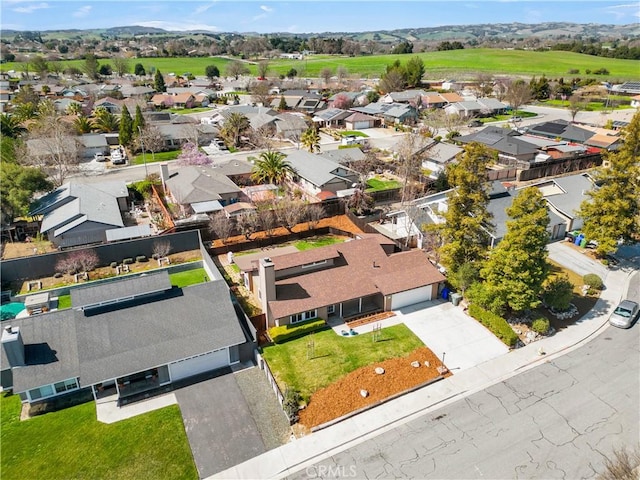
(445, 293)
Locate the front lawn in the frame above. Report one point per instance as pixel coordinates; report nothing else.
(334, 356)
(378, 184)
(354, 133)
(507, 116)
(71, 443)
(587, 107)
(64, 301)
(188, 277)
(156, 157)
(184, 111)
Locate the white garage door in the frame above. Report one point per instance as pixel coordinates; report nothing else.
(410, 297)
(201, 363)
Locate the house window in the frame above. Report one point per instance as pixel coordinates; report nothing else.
(331, 309)
(301, 317)
(67, 385)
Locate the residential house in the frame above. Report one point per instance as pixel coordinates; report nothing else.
(290, 126)
(361, 121)
(80, 214)
(511, 150)
(437, 156)
(331, 117)
(184, 100)
(390, 113)
(62, 104)
(92, 143)
(564, 196)
(126, 338)
(112, 105)
(196, 189)
(476, 108)
(238, 208)
(635, 101)
(345, 280)
(175, 134)
(136, 91)
(561, 130)
(316, 173)
(345, 156)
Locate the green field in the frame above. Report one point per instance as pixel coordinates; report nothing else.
(71, 443)
(453, 63)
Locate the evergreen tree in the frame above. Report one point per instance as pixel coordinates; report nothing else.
(612, 211)
(414, 70)
(158, 82)
(517, 268)
(282, 106)
(467, 220)
(126, 126)
(138, 121)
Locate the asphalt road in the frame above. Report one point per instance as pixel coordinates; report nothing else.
(558, 420)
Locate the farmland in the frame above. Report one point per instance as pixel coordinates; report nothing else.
(460, 64)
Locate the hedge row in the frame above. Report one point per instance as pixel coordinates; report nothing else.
(287, 332)
(495, 323)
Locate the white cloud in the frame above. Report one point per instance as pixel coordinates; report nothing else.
(259, 17)
(178, 26)
(624, 10)
(31, 7)
(82, 11)
(203, 8)
(266, 9)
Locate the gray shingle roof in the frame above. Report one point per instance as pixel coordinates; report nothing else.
(132, 287)
(318, 169)
(199, 184)
(575, 188)
(117, 341)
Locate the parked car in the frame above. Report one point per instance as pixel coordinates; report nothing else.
(475, 123)
(100, 157)
(118, 156)
(624, 314)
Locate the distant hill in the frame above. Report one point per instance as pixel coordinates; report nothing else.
(467, 33)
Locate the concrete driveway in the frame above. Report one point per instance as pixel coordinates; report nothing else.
(576, 260)
(447, 329)
(221, 431)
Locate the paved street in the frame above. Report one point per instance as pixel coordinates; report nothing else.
(558, 420)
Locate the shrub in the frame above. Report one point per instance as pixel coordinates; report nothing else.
(558, 293)
(291, 404)
(57, 275)
(141, 258)
(540, 325)
(287, 332)
(498, 325)
(127, 261)
(593, 280)
(113, 264)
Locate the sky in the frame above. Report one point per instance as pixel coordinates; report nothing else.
(305, 16)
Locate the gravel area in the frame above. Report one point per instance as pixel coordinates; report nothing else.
(271, 421)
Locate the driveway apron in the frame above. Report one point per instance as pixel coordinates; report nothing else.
(219, 425)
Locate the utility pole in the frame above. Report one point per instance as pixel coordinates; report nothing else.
(144, 159)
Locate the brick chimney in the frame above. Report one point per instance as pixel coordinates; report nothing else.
(266, 286)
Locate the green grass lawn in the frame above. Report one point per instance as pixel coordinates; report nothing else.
(182, 111)
(458, 63)
(64, 301)
(335, 356)
(376, 184)
(156, 157)
(354, 133)
(589, 107)
(507, 116)
(316, 242)
(189, 277)
(71, 443)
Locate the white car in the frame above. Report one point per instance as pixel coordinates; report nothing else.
(118, 157)
(99, 157)
(624, 314)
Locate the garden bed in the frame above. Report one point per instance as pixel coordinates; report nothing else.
(343, 396)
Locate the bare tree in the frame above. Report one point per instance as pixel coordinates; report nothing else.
(221, 226)
(260, 93)
(263, 68)
(410, 152)
(290, 213)
(261, 137)
(326, 73)
(150, 140)
(161, 248)
(393, 81)
(342, 73)
(518, 94)
(57, 149)
(315, 213)
(120, 65)
(624, 465)
(267, 217)
(78, 261)
(483, 84)
(236, 68)
(576, 104)
(248, 223)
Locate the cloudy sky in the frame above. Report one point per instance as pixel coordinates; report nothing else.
(304, 16)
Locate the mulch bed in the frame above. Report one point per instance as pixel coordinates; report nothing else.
(343, 396)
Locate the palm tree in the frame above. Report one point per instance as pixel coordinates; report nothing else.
(234, 126)
(10, 126)
(74, 108)
(82, 125)
(25, 111)
(311, 140)
(271, 167)
(105, 121)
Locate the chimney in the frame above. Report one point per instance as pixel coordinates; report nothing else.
(13, 346)
(164, 174)
(266, 285)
